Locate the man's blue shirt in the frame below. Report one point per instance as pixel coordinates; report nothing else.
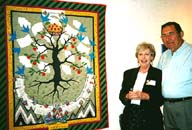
(177, 72)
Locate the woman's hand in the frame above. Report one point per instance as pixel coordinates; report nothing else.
(137, 95)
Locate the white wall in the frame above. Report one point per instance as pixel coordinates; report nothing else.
(129, 22)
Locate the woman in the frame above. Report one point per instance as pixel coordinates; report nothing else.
(141, 93)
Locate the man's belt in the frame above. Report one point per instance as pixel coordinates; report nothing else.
(176, 99)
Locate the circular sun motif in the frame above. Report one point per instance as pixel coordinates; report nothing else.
(54, 29)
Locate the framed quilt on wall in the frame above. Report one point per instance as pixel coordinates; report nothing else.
(55, 65)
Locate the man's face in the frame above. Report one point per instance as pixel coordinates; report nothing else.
(171, 38)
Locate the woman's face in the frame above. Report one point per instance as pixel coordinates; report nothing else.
(171, 38)
(144, 57)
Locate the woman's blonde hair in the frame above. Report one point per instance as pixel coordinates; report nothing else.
(144, 46)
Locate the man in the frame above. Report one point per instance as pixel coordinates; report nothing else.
(176, 66)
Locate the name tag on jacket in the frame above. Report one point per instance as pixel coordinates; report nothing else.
(151, 82)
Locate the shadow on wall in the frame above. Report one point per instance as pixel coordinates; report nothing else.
(163, 48)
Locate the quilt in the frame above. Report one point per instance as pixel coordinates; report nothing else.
(55, 65)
